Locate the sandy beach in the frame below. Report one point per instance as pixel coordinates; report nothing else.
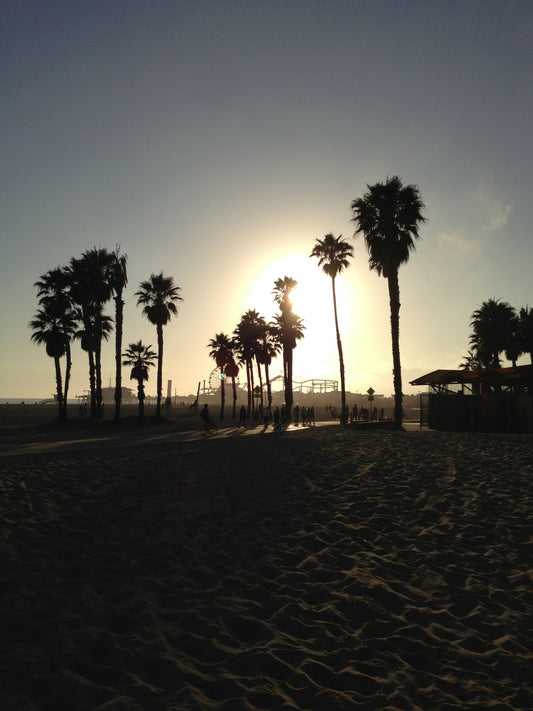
(317, 569)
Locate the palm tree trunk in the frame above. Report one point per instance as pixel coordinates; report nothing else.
(249, 383)
(269, 386)
(288, 388)
(234, 388)
(394, 299)
(286, 381)
(92, 383)
(68, 369)
(119, 315)
(98, 371)
(140, 396)
(159, 369)
(260, 381)
(222, 392)
(59, 388)
(252, 385)
(341, 356)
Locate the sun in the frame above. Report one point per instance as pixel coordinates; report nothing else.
(312, 298)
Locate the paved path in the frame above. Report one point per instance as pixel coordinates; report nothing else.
(128, 439)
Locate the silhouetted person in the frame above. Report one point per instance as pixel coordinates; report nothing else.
(296, 414)
(204, 414)
(242, 416)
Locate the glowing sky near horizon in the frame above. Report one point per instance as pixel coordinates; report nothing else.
(217, 140)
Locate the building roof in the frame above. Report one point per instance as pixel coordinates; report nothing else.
(519, 375)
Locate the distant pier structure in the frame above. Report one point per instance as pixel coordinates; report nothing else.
(315, 385)
(312, 385)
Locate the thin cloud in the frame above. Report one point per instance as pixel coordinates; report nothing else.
(493, 209)
(457, 242)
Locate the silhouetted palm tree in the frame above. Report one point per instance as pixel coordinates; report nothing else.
(221, 353)
(288, 328)
(54, 297)
(231, 370)
(90, 290)
(141, 358)
(269, 348)
(158, 297)
(334, 254)
(48, 330)
(471, 361)
(389, 215)
(526, 330)
(493, 331)
(515, 346)
(118, 278)
(94, 327)
(246, 336)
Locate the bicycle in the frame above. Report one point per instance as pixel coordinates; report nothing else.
(208, 429)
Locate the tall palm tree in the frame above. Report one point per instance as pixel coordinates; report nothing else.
(48, 330)
(289, 328)
(90, 290)
(493, 331)
(94, 327)
(141, 358)
(231, 370)
(158, 296)
(246, 334)
(221, 353)
(118, 278)
(54, 297)
(269, 348)
(389, 216)
(334, 254)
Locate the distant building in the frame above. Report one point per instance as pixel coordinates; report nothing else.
(128, 395)
(488, 400)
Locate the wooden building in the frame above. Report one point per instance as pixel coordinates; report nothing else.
(488, 400)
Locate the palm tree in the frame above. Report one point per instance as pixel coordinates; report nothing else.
(54, 297)
(282, 291)
(389, 215)
(118, 278)
(158, 297)
(288, 328)
(515, 346)
(90, 289)
(232, 371)
(269, 348)
(493, 331)
(526, 330)
(221, 352)
(48, 330)
(333, 254)
(94, 327)
(141, 358)
(471, 361)
(247, 335)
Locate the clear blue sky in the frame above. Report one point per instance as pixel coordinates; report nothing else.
(218, 140)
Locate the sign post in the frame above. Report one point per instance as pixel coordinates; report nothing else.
(370, 393)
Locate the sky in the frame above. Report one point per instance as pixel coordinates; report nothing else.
(217, 140)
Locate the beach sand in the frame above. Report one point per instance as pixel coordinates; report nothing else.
(317, 569)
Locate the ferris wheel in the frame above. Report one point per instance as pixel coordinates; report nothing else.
(214, 380)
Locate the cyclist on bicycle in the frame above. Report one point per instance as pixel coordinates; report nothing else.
(204, 414)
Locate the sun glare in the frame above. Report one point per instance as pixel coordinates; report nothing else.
(312, 300)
